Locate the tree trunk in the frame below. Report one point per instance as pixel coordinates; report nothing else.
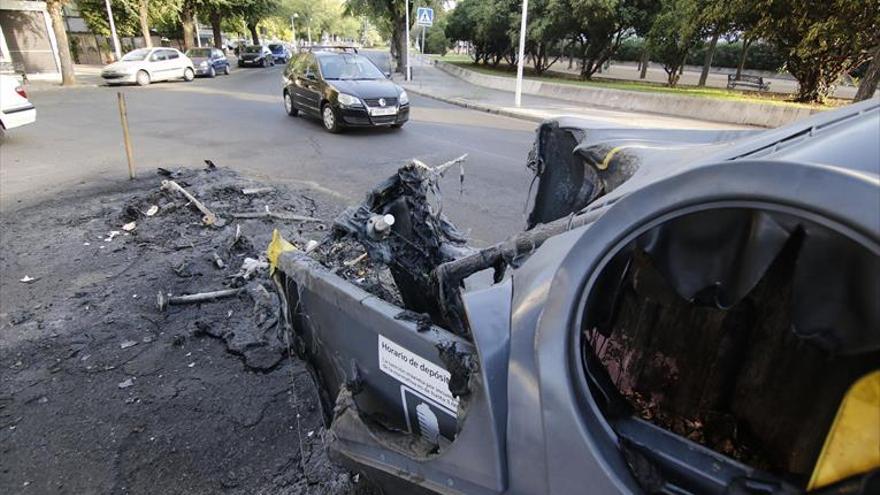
(813, 85)
(392, 46)
(742, 57)
(570, 54)
(707, 61)
(399, 28)
(255, 37)
(644, 61)
(67, 75)
(187, 12)
(868, 85)
(216, 20)
(143, 17)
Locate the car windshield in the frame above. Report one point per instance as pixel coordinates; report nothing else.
(199, 52)
(253, 49)
(276, 48)
(136, 55)
(348, 66)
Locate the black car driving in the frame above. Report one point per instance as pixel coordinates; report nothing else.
(256, 55)
(343, 90)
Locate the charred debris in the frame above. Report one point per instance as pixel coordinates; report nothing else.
(210, 226)
(401, 225)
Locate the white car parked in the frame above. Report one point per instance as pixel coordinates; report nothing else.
(15, 108)
(146, 65)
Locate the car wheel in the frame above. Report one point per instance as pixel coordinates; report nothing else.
(288, 104)
(142, 78)
(213, 72)
(227, 70)
(240, 64)
(396, 126)
(188, 74)
(329, 118)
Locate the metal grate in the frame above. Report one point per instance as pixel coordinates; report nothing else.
(385, 119)
(374, 102)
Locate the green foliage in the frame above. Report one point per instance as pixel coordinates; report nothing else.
(389, 16)
(676, 31)
(435, 37)
(487, 25)
(595, 27)
(821, 41)
(630, 50)
(125, 16)
(461, 24)
(253, 11)
(324, 16)
(761, 56)
(598, 27)
(548, 26)
(273, 16)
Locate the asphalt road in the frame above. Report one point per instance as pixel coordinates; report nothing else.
(238, 121)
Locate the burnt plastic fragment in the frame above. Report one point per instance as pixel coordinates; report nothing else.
(461, 365)
(421, 238)
(422, 320)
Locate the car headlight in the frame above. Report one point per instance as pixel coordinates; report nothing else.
(348, 100)
(403, 98)
(204, 64)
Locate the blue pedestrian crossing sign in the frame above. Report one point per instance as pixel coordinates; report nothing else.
(425, 16)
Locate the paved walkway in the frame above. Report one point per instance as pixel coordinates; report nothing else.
(433, 82)
(629, 71)
(86, 75)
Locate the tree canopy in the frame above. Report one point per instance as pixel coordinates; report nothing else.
(819, 41)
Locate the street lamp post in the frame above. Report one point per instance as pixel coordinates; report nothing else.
(116, 47)
(407, 73)
(293, 29)
(522, 53)
(198, 32)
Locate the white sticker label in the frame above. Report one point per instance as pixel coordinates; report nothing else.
(421, 375)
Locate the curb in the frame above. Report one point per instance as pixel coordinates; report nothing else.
(40, 88)
(720, 111)
(478, 106)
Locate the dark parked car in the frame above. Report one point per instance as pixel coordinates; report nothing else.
(256, 55)
(209, 61)
(344, 90)
(280, 53)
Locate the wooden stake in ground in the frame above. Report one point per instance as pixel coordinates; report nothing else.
(123, 116)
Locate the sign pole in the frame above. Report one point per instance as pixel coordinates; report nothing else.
(407, 74)
(522, 50)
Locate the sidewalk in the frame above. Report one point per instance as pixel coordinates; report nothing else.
(434, 83)
(86, 76)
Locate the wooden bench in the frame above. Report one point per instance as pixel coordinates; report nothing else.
(756, 82)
